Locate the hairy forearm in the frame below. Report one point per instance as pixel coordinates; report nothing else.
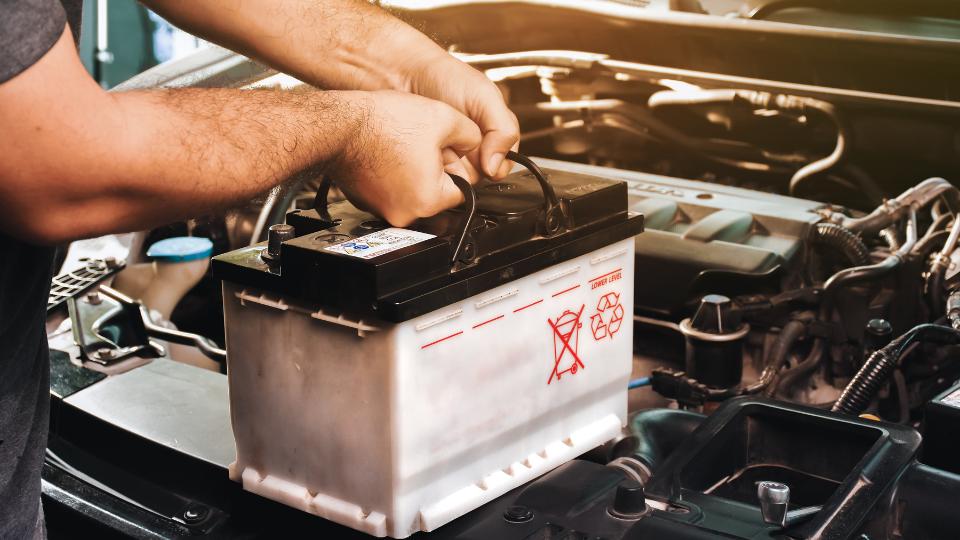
(337, 44)
(146, 158)
(99, 162)
(205, 149)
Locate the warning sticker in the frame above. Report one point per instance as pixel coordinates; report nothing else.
(378, 243)
(566, 338)
(608, 319)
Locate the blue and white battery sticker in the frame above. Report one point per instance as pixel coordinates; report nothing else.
(379, 243)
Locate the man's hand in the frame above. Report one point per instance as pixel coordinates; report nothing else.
(111, 162)
(354, 45)
(447, 79)
(395, 164)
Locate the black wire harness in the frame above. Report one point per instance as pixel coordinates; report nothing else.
(863, 388)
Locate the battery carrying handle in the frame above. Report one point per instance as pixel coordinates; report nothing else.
(554, 216)
(320, 200)
(465, 249)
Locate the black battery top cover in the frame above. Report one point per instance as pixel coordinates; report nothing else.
(346, 259)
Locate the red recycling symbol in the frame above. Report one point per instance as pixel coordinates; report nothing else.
(609, 317)
(566, 337)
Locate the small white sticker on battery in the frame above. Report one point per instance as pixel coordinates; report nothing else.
(953, 399)
(378, 243)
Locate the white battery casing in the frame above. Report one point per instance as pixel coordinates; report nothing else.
(394, 428)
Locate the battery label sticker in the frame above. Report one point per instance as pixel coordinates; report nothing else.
(953, 399)
(378, 243)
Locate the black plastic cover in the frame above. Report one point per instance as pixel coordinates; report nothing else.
(708, 238)
(506, 241)
(748, 439)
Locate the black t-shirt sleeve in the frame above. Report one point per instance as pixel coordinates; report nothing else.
(28, 28)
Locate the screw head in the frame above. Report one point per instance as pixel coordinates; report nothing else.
(879, 327)
(94, 298)
(195, 514)
(518, 514)
(629, 502)
(104, 353)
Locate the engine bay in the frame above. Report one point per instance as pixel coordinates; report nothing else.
(796, 299)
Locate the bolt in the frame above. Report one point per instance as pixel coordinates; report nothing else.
(552, 222)
(111, 262)
(195, 514)
(276, 235)
(518, 514)
(94, 299)
(104, 353)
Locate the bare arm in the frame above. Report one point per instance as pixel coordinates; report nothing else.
(100, 162)
(336, 44)
(352, 44)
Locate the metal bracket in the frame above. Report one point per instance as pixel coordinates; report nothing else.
(116, 327)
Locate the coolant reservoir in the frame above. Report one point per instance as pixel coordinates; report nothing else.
(177, 265)
(393, 379)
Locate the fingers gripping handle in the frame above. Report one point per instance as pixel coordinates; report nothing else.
(465, 248)
(554, 217)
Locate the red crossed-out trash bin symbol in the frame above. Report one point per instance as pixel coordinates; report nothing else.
(566, 337)
(609, 317)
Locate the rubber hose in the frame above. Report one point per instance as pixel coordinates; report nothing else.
(928, 244)
(841, 239)
(889, 236)
(660, 431)
(791, 332)
(789, 378)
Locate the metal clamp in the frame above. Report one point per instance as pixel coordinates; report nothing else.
(140, 316)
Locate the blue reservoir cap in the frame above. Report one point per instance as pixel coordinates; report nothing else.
(181, 249)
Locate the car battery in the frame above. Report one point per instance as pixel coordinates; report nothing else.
(394, 379)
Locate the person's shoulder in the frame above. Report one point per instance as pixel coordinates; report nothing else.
(28, 29)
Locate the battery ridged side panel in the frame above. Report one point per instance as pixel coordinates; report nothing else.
(512, 372)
